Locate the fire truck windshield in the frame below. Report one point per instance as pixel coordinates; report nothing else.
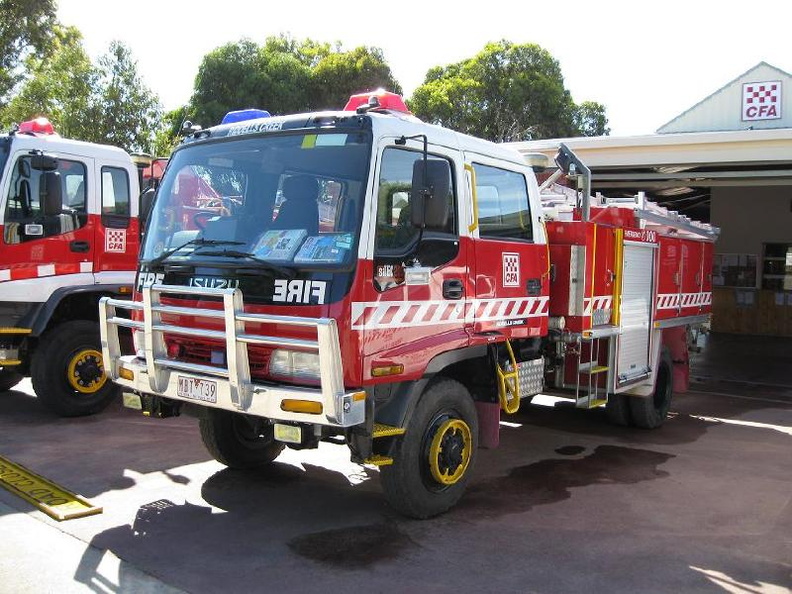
(291, 200)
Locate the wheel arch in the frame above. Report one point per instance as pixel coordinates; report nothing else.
(72, 303)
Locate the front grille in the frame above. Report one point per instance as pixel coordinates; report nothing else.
(191, 351)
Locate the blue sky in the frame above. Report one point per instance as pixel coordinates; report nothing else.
(645, 61)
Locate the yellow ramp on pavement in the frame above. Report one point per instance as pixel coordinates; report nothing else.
(53, 500)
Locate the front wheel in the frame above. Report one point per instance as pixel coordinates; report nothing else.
(239, 441)
(68, 372)
(434, 458)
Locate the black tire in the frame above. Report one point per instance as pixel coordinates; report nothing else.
(433, 460)
(618, 410)
(68, 372)
(9, 379)
(239, 441)
(651, 412)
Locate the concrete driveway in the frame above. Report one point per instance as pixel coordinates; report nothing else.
(568, 503)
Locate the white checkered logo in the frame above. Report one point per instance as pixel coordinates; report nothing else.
(115, 240)
(761, 101)
(511, 270)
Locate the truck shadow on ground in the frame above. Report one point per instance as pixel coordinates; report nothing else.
(19, 407)
(552, 480)
(564, 417)
(282, 511)
(65, 449)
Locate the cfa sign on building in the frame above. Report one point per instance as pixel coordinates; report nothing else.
(761, 101)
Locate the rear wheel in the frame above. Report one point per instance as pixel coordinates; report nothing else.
(651, 412)
(239, 441)
(618, 409)
(434, 458)
(68, 372)
(9, 379)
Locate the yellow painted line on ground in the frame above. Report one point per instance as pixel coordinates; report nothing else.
(53, 500)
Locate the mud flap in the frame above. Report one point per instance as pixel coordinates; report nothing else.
(489, 424)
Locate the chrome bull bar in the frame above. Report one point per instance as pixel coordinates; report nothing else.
(154, 374)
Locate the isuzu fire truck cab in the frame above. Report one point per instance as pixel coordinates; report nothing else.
(69, 236)
(361, 275)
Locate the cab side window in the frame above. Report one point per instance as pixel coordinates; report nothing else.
(503, 207)
(115, 197)
(27, 216)
(396, 237)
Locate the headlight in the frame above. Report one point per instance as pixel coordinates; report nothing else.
(297, 366)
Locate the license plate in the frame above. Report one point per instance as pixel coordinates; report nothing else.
(197, 389)
(288, 433)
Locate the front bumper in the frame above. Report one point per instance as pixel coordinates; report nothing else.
(230, 387)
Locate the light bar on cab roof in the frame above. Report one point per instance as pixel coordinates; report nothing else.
(37, 126)
(242, 115)
(384, 100)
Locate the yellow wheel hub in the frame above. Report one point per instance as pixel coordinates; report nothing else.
(86, 371)
(449, 454)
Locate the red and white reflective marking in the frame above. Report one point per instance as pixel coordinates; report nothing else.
(677, 300)
(591, 304)
(380, 315)
(43, 270)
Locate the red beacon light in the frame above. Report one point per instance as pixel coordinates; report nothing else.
(37, 126)
(379, 99)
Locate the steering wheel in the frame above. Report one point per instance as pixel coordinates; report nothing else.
(201, 218)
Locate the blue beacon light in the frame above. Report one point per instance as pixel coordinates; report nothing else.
(242, 115)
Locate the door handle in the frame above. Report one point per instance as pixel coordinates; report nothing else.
(79, 246)
(453, 288)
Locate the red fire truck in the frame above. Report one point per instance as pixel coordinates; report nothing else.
(361, 276)
(68, 214)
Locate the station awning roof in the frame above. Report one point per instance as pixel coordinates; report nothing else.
(678, 170)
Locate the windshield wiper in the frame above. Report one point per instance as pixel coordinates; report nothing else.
(199, 241)
(247, 255)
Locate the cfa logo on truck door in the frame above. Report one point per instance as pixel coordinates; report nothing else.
(511, 270)
(115, 240)
(761, 101)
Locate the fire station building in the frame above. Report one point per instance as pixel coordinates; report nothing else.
(727, 161)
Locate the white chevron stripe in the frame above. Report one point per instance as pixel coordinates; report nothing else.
(370, 315)
(675, 300)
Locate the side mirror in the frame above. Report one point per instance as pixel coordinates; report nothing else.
(50, 194)
(146, 202)
(431, 182)
(42, 162)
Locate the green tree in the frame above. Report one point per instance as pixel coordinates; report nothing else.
(507, 92)
(243, 75)
(168, 135)
(590, 119)
(338, 75)
(26, 27)
(284, 75)
(59, 87)
(124, 111)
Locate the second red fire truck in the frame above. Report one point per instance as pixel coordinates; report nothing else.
(362, 276)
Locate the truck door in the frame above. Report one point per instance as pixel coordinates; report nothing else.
(416, 302)
(638, 266)
(39, 242)
(117, 236)
(510, 266)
